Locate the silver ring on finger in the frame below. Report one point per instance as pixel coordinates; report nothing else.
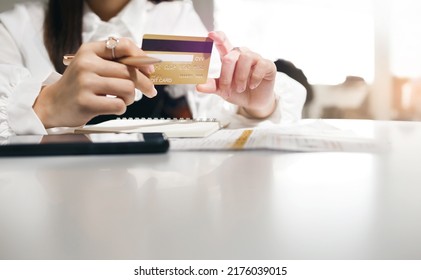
(111, 44)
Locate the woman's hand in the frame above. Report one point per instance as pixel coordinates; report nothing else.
(246, 80)
(93, 84)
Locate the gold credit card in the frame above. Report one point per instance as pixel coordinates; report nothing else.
(185, 59)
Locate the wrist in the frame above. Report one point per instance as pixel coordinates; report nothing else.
(260, 113)
(42, 109)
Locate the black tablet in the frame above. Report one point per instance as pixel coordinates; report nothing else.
(84, 144)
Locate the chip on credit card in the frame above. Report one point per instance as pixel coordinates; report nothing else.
(185, 59)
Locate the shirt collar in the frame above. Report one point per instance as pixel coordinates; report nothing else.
(128, 22)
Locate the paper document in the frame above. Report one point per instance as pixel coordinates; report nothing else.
(302, 139)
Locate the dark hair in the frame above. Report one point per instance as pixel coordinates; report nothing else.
(63, 29)
(297, 74)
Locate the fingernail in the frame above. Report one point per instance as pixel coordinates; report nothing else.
(154, 92)
(240, 89)
(137, 95)
(151, 69)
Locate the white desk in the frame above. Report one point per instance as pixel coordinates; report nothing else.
(218, 205)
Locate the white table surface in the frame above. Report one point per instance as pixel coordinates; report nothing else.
(218, 205)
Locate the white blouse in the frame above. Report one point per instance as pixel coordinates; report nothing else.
(25, 65)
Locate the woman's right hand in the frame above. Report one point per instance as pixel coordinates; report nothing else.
(84, 90)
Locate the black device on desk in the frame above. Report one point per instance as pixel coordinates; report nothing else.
(84, 144)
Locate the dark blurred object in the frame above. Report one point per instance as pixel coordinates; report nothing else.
(161, 106)
(289, 68)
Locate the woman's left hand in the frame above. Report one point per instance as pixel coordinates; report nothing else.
(246, 79)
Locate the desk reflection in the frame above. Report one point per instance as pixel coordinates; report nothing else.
(92, 210)
(141, 212)
(218, 205)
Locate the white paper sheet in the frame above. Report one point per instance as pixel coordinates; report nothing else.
(313, 137)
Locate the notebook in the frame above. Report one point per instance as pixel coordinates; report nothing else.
(173, 128)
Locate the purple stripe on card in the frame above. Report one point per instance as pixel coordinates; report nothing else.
(177, 46)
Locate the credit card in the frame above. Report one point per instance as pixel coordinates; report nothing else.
(185, 59)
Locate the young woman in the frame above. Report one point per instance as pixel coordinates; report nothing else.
(37, 92)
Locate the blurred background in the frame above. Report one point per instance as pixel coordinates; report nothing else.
(360, 58)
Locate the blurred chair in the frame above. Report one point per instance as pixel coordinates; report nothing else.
(344, 100)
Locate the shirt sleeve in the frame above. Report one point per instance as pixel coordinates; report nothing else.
(18, 91)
